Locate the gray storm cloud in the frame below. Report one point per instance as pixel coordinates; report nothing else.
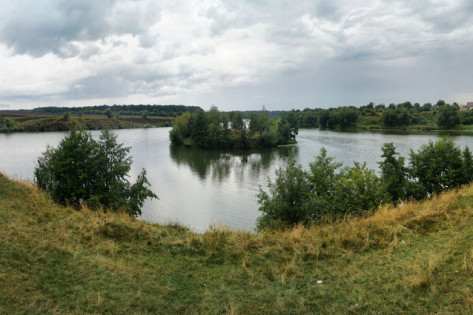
(239, 54)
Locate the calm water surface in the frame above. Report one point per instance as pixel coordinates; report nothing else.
(203, 188)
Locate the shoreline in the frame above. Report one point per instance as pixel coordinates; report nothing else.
(27, 122)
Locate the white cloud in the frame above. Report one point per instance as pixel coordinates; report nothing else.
(328, 53)
(29, 76)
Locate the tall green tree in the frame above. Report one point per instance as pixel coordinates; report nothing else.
(399, 116)
(436, 167)
(448, 117)
(199, 127)
(214, 115)
(394, 173)
(10, 123)
(180, 128)
(236, 119)
(357, 190)
(467, 166)
(324, 119)
(289, 201)
(323, 174)
(260, 121)
(292, 122)
(84, 171)
(323, 178)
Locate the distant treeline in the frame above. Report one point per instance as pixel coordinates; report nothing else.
(144, 110)
(427, 116)
(440, 115)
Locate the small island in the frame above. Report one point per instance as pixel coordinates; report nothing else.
(219, 130)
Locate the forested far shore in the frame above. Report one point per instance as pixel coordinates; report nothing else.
(145, 110)
(403, 116)
(407, 116)
(16, 121)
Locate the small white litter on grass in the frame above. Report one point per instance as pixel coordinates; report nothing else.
(319, 281)
(403, 242)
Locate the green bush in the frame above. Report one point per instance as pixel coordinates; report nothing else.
(357, 190)
(437, 166)
(448, 117)
(175, 135)
(290, 200)
(82, 170)
(300, 197)
(10, 123)
(394, 173)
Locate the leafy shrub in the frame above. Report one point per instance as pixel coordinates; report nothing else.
(300, 197)
(357, 190)
(84, 171)
(448, 117)
(175, 135)
(289, 202)
(393, 173)
(437, 166)
(269, 137)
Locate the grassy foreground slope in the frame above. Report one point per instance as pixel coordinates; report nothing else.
(418, 257)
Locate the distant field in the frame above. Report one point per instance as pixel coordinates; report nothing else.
(30, 122)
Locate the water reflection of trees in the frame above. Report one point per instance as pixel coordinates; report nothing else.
(219, 165)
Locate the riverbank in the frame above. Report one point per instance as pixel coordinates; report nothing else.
(409, 128)
(414, 258)
(37, 122)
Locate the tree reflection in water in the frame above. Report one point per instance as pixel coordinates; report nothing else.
(218, 165)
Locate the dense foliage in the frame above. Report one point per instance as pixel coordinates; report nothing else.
(8, 125)
(427, 116)
(215, 129)
(143, 110)
(82, 170)
(448, 117)
(323, 192)
(440, 115)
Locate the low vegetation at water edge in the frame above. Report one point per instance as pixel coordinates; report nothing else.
(327, 193)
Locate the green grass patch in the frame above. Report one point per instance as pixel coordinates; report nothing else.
(416, 258)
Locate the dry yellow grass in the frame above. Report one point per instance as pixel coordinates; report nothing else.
(418, 256)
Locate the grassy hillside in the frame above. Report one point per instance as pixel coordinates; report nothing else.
(414, 258)
(57, 122)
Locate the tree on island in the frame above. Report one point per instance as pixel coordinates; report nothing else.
(448, 117)
(215, 129)
(83, 171)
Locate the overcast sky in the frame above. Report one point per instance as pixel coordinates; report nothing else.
(235, 54)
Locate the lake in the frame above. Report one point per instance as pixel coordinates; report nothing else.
(200, 188)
